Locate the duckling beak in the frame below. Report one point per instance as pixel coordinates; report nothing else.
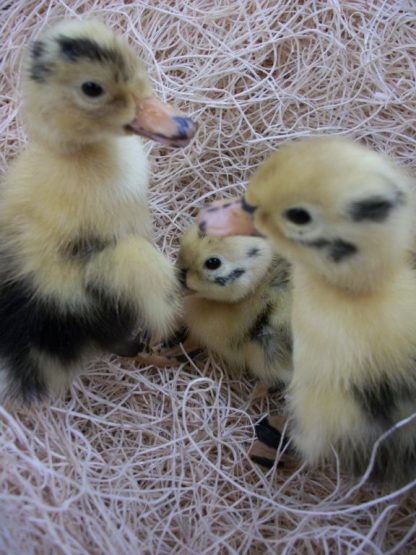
(224, 218)
(158, 121)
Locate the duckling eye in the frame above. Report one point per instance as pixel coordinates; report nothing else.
(92, 89)
(212, 263)
(298, 216)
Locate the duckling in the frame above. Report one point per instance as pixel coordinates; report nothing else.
(239, 303)
(79, 273)
(343, 215)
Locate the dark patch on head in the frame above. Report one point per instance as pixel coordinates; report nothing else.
(202, 229)
(86, 247)
(337, 249)
(38, 49)
(39, 69)
(75, 48)
(374, 209)
(253, 252)
(232, 276)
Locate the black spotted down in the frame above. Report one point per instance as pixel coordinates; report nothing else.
(337, 249)
(75, 48)
(31, 326)
(85, 247)
(261, 322)
(381, 400)
(254, 251)
(374, 209)
(230, 278)
(39, 68)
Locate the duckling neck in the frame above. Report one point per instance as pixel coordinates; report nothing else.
(70, 148)
(357, 284)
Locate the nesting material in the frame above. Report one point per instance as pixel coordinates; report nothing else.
(148, 460)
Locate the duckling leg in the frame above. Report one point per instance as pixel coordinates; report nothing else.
(261, 391)
(133, 272)
(269, 440)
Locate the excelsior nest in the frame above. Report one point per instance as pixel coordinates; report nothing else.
(153, 461)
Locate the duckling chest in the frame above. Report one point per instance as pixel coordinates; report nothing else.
(339, 341)
(104, 194)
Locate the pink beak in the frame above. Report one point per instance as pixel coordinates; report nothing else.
(158, 121)
(224, 217)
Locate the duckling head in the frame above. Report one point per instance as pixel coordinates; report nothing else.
(330, 205)
(83, 83)
(222, 269)
(335, 207)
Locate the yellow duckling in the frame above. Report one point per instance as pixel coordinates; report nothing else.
(240, 303)
(344, 217)
(79, 274)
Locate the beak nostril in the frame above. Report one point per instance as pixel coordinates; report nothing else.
(247, 207)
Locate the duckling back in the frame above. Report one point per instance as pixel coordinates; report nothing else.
(239, 302)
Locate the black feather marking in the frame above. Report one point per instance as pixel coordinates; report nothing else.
(374, 209)
(261, 322)
(276, 344)
(38, 49)
(337, 249)
(39, 69)
(75, 48)
(281, 275)
(32, 324)
(230, 278)
(381, 400)
(254, 251)
(178, 337)
(202, 229)
(340, 250)
(86, 247)
(182, 273)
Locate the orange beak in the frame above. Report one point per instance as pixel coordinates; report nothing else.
(158, 121)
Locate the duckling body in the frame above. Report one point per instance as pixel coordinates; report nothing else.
(241, 302)
(344, 219)
(79, 273)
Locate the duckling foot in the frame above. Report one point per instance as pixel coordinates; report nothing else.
(270, 440)
(261, 391)
(167, 358)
